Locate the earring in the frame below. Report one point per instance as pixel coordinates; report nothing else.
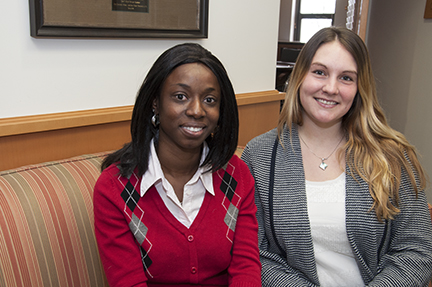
(214, 131)
(155, 120)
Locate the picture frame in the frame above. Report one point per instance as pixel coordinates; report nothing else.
(119, 18)
(428, 10)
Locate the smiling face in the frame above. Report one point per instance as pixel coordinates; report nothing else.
(188, 107)
(330, 85)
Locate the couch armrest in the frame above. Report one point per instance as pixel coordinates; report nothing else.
(46, 224)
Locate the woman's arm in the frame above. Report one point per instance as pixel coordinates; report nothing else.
(118, 249)
(275, 269)
(408, 258)
(245, 267)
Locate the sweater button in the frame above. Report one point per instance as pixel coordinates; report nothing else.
(193, 270)
(190, 238)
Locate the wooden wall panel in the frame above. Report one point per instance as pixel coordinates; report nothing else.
(41, 138)
(32, 148)
(256, 119)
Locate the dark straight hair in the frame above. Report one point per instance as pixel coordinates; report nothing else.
(222, 144)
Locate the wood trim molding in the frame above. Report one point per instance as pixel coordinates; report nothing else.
(259, 97)
(57, 121)
(363, 19)
(40, 138)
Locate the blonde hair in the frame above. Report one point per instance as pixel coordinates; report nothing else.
(374, 151)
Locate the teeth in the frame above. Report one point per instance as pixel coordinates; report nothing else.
(193, 129)
(326, 102)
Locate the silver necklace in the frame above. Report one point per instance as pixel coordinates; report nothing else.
(323, 165)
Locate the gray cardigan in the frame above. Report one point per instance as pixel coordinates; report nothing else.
(393, 253)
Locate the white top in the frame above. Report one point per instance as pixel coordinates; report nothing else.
(193, 192)
(335, 261)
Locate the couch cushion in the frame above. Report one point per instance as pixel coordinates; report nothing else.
(46, 224)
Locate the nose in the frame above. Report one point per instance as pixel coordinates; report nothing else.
(195, 108)
(331, 86)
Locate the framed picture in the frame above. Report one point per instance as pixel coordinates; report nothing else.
(428, 10)
(119, 18)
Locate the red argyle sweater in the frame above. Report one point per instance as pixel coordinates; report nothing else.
(142, 244)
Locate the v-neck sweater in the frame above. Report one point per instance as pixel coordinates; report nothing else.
(142, 244)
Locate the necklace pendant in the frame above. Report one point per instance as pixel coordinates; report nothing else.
(323, 165)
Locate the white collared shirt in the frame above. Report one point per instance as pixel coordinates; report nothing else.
(193, 191)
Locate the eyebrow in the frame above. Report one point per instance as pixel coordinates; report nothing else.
(209, 89)
(324, 66)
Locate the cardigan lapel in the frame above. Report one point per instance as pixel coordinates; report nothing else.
(364, 231)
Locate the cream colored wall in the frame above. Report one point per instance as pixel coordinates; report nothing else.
(40, 76)
(400, 45)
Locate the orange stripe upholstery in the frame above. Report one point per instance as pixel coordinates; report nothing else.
(239, 150)
(46, 224)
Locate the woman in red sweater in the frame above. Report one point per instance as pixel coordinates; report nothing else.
(175, 206)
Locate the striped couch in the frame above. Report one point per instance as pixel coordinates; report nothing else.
(46, 224)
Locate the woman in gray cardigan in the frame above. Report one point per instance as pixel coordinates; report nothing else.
(339, 193)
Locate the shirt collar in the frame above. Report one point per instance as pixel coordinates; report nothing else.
(154, 172)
